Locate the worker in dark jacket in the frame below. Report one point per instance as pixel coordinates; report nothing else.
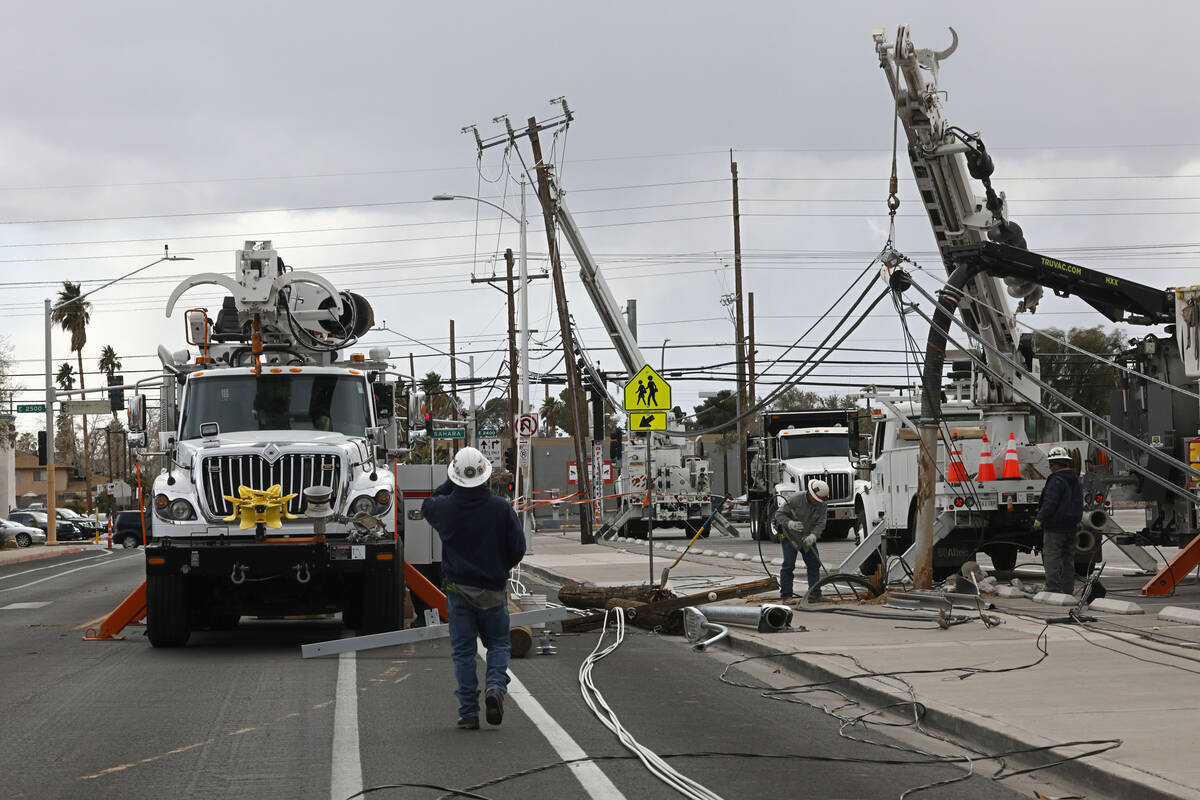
(799, 523)
(1058, 518)
(481, 541)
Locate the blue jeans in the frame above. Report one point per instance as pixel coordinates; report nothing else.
(812, 562)
(466, 623)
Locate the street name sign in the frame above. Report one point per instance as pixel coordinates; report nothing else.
(31, 408)
(647, 421)
(487, 432)
(450, 433)
(647, 391)
(86, 407)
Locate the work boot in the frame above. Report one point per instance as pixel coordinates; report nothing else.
(493, 701)
(468, 723)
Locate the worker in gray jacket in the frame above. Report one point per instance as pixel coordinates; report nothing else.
(799, 523)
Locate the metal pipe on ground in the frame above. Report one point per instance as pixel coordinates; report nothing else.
(767, 618)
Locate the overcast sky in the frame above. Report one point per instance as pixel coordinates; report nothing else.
(128, 126)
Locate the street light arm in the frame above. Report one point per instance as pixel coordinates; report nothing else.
(496, 206)
(120, 278)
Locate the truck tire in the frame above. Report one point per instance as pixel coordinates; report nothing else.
(836, 530)
(1003, 556)
(381, 602)
(760, 521)
(167, 611)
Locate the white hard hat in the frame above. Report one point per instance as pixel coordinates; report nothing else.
(1058, 454)
(469, 468)
(818, 488)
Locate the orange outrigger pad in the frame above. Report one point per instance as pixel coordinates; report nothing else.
(1169, 576)
(133, 608)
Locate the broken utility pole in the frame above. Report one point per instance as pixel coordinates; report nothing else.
(739, 326)
(564, 321)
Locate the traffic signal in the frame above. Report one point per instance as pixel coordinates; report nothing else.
(116, 397)
(41, 448)
(508, 460)
(614, 446)
(428, 420)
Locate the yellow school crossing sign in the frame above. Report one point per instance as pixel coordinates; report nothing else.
(647, 391)
(647, 421)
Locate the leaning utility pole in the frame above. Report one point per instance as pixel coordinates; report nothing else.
(739, 324)
(750, 390)
(453, 387)
(513, 385)
(564, 323)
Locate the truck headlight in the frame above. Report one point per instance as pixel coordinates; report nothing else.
(177, 509)
(364, 504)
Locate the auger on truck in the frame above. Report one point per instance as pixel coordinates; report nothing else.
(917, 490)
(275, 496)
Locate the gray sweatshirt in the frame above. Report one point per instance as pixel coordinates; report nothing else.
(797, 507)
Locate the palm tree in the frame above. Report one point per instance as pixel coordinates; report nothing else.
(109, 364)
(73, 314)
(552, 412)
(65, 378)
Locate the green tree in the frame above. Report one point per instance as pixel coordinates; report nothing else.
(65, 377)
(796, 399)
(8, 390)
(714, 411)
(73, 314)
(552, 412)
(1081, 377)
(65, 438)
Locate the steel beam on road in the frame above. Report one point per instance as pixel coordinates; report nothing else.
(370, 641)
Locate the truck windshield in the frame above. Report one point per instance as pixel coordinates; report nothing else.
(276, 402)
(814, 445)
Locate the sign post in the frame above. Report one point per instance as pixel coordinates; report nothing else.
(526, 426)
(647, 397)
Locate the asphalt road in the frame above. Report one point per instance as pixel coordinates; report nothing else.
(240, 714)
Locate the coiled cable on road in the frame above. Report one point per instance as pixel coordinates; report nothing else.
(608, 718)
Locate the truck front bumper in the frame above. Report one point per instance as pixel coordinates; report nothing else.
(241, 561)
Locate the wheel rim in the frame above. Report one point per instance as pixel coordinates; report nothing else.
(129, 542)
(23, 540)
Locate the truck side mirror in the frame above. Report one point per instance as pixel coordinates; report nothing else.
(136, 410)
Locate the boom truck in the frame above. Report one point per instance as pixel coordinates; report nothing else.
(680, 478)
(920, 487)
(275, 495)
(794, 448)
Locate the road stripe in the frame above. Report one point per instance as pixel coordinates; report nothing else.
(346, 774)
(48, 566)
(590, 777)
(22, 606)
(59, 575)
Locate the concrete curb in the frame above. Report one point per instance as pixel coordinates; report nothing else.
(42, 551)
(1097, 774)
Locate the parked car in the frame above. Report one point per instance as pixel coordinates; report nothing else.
(737, 509)
(127, 530)
(85, 524)
(24, 535)
(64, 530)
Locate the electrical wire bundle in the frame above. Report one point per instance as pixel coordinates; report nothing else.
(608, 718)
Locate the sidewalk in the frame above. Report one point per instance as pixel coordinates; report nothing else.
(1082, 690)
(35, 552)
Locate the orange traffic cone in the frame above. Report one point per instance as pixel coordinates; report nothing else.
(955, 470)
(110, 533)
(987, 469)
(1012, 465)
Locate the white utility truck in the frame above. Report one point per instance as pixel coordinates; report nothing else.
(275, 495)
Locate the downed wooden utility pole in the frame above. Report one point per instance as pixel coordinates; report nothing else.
(675, 603)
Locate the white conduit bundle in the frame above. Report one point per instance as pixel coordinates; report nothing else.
(608, 718)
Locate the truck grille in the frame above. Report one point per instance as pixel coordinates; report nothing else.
(222, 475)
(839, 484)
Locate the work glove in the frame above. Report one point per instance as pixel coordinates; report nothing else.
(795, 526)
(808, 542)
(1037, 526)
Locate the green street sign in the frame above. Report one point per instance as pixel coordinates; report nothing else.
(450, 433)
(490, 432)
(32, 408)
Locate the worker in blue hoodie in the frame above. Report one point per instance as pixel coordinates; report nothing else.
(1058, 519)
(481, 541)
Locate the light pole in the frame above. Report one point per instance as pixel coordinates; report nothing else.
(48, 310)
(523, 279)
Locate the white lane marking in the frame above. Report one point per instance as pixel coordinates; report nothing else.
(346, 775)
(19, 606)
(59, 575)
(48, 566)
(588, 773)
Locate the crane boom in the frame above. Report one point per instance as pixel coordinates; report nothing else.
(597, 288)
(945, 160)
